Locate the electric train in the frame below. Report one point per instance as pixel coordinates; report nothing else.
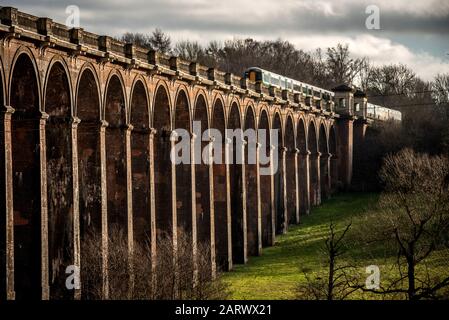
(272, 79)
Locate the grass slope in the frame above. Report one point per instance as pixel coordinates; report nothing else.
(276, 273)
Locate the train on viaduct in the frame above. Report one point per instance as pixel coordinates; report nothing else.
(85, 146)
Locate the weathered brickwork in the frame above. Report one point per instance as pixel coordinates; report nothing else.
(85, 130)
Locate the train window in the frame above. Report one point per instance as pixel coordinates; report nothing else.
(266, 77)
(296, 87)
(252, 76)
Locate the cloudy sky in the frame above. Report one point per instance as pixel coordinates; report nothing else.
(413, 32)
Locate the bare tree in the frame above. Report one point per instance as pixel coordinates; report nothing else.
(160, 41)
(412, 223)
(335, 284)
(189, 50)
(136, 278)
(139, 39)
(341, 67)
(440, 93)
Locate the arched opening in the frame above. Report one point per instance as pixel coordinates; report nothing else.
(24, 96)
(265, 181)
(334, 159)
(312, 143)
(89, 171)
(220, 201)
(59, 179)
(278, 178)
(324, 164)
(116, 179)
(140, 163)
(202, 196)
(163, 180)
(236, 186)
(184, 191)
(252, 218)
(303, 168)
(290, 167)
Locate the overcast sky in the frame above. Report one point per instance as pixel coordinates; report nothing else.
(414, 32)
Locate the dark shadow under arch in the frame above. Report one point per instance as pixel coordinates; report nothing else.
(312, 144)
(163, 183)
(324, 164)
(290, 168)
(202, 194)
(278, 178)
(89, 171)
(140, 164)
(236, 189)
(265, 182)
(301, 143)
(59, 179)
(334, 159)
(24, 96)
(220, 201)
(184, 193)
(116, 177)
(252, 219)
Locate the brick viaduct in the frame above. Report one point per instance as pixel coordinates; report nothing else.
(85, 142)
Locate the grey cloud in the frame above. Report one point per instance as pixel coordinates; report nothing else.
(204, 16)
(209, 19)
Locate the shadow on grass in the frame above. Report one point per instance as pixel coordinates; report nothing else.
(276, 273)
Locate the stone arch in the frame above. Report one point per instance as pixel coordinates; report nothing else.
(252, 211)
(238, 221)
(279, 206)
(58, 106)
(140, 164)
(312, 143)
(221, 219)
(140, 83)
(118, 82)
(203, 215)
(88, 72)
(324, 163)
(116, 168)
(303, 167)
(24, 97)
(185, 218)
(88, 110)
(58, 65)
(20, 54)
(333, 150)
(290, 168)
(265, 179)
(163, 193)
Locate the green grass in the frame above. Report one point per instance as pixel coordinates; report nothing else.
(276, 273)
